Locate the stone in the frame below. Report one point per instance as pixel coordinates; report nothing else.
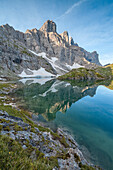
(48, 26)
(15, 54)
(65, 36)
(71, 41)
(50, 148)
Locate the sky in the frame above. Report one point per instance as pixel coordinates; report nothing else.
(89, 22)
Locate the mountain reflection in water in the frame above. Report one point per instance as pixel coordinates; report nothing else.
(84, 108)
(48, 97)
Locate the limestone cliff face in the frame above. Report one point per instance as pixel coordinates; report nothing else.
(18, 51)
(49, 26)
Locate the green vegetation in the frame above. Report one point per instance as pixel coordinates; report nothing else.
(110, 86)
(1, 127)
(110, 65)
(26, 52)
(60, 138)
(13, 156)
(7, 128)
(77, 158)
(14, 112)
(63, 155)
(24, 116)
(5, 85)
(17, 128)
(106, 72)
(100, 73)
(63, 142)
(16, 46)
(85, 167)
(3, 120)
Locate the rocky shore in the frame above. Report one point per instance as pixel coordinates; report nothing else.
(29, 145)
(58, 145)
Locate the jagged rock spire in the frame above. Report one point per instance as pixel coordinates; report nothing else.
(65, 36)
(48, 26)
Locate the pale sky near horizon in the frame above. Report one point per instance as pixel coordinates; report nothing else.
(89, 22)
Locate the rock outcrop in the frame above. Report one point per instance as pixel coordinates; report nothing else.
(88, 74)
(23, 51)
(49, 26)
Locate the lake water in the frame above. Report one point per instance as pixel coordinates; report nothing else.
(85, 109)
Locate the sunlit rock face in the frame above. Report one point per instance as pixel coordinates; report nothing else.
(49, 26)
(23, 51)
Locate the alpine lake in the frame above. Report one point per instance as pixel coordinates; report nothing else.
(83, 109)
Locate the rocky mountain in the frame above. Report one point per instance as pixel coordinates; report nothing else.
(41, 52)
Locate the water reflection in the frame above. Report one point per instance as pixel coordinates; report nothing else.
(47, 97)
(88, 112)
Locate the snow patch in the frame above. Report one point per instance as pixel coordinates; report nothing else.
(54, 59)
(10, 104)
(54, 65)
(40, 81)
(51, 61)
(75, 65)
(36, 73)
(67, 84)
(1, 78)
(34, 97)
(52, 88)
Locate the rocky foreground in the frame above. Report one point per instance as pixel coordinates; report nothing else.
(25, 144)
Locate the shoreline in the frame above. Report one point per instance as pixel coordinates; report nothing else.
(59, 147)
(71, 158)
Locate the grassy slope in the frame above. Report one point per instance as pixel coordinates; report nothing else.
(110, 86)
(111, 66)
(84, 74)
(13, 156)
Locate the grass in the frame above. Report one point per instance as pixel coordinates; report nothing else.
(13, 156)
(110, 66)
(5, 85)
(6, 128)
(14, 112)
(85, 74)
(60, 138)
(77, 158)
(24, 115)
(85, 167)
(104, 71)
(110, 86)
(17, 128)
(4, 120)
(16, 46)
(27, 53)
(1, 127)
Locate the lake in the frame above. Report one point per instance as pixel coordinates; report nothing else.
(84, 109)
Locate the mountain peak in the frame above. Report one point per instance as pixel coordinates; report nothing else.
(49, 26)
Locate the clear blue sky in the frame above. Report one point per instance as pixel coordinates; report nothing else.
(89, 22)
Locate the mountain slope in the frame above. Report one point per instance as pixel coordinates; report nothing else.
(99, 73)
(42, 49)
